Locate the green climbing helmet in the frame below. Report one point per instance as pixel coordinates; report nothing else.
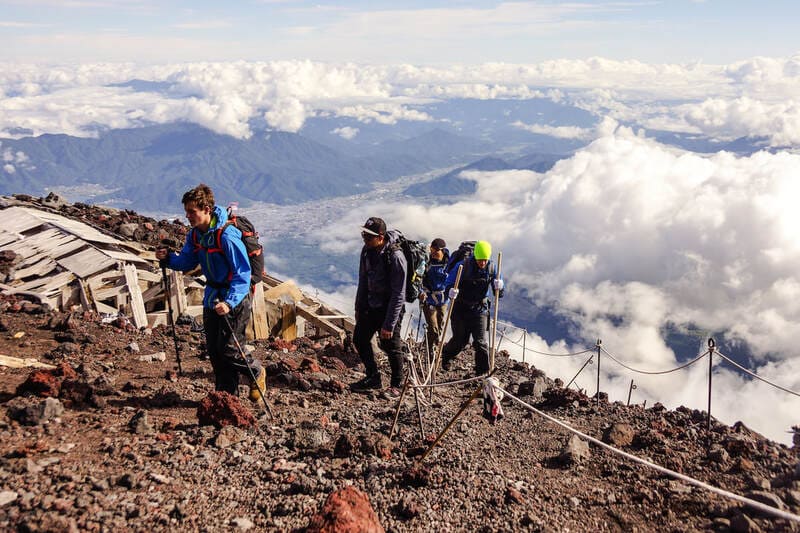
(483, 250)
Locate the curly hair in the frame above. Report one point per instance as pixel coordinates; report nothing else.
(201, 196)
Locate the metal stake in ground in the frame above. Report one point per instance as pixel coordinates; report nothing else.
(171, 318)
(249, 368)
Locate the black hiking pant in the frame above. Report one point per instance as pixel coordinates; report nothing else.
(465, 324)
(368, 324)
(225, 358)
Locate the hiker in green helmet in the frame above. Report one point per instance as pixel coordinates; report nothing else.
(470, 315)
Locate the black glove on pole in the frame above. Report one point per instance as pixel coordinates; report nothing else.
(163, 264)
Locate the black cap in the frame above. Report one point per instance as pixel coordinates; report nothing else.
(438, 243)
(374, 226)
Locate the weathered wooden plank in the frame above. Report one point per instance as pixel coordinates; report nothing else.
(148, 276)
(137, 304)
(288, 322)
(156, 319)
(259, 326)
(87, 262)
(50, 283)
(287, 288)
(177, 293)
(304, 311)
(105, 308)
(124, 256)
(42, 267)
(17, 362)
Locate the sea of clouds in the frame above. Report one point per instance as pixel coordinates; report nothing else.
(757, 97)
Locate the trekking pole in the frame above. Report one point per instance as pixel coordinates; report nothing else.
(169, 314)
(420, 321)
(244, 358)
(452, 421)
(438, 355)
(494, 322)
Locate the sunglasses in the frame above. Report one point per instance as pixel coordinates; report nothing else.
(367, 236)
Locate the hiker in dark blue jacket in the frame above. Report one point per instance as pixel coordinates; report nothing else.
(223, 258)
(434, 294)
(470, 316)
(380, 305)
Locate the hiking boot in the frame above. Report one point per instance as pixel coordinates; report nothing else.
(391, 393)
(260, 384)
(368, 383)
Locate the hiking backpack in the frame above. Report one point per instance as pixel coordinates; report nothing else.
(255, 252)
(464, 251)
(416, 255)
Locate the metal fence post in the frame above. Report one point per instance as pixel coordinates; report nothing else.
(524, 342)
(711, 347)
(630, 390)
(599, 342)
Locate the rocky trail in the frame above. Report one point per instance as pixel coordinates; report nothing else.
(114, 439)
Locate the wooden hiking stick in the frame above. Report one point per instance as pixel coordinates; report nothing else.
(494, 321)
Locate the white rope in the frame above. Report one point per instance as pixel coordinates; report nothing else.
(448, 383)
(747, 501)
(653, 372)
(743, 369)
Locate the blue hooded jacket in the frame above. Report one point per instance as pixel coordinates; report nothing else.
(224, 264)
(433, 282)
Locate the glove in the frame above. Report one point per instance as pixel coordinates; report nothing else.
(453, 293)
(498, 285)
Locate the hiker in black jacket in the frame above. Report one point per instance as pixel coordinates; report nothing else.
(380, 305)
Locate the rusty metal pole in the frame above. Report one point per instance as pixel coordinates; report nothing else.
(524, 342)
(630, 390)
(599, 342)
(588, 361)
(397, 412)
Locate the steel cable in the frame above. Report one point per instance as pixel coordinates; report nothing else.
(746, 371)
(655, 373)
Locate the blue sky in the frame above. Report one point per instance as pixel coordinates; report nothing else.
(466, 32)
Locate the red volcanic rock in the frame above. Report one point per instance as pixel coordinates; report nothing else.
(347, 510)
(65, 371)
(222, 409)
(309, 365)
(40, 383)
(280, 344)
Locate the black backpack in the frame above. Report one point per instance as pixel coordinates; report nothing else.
(255, 252)
(465, 250)
(416, 255)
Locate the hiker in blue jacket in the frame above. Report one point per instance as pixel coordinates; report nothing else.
(470, 316)
(380, 305)
(434, 296)
(218, 248)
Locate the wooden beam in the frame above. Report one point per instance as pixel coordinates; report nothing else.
(258, 327)
(29, 362)
(304, 311)
(137, 304)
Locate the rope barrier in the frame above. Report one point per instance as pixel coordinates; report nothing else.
(747, 501)
(448, 383)
(746, 371)
(652, 372)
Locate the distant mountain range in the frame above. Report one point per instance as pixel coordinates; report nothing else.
(150, 168)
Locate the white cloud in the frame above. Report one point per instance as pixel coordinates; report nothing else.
(345, 132)
(754, 97)
(564, 132)
(9, 169)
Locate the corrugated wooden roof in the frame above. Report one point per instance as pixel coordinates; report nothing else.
(53, 239)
